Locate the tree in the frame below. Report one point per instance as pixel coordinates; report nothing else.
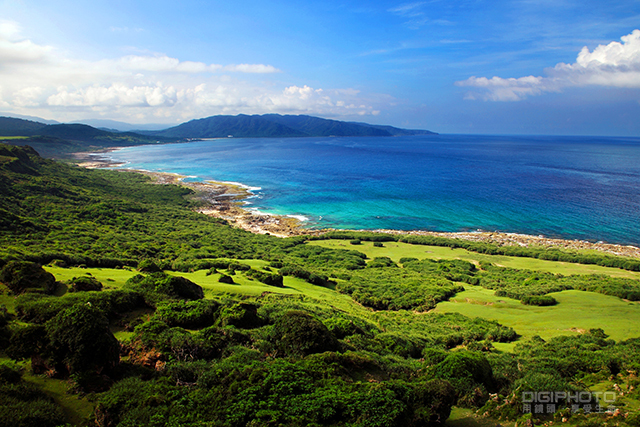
(296, 333)
(25, 276)
(84, 283)
(80, 340)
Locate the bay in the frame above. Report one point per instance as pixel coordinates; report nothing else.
(585, 188)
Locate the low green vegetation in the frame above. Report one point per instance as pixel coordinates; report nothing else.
(575, 313)
(120, 306)
(397, 250)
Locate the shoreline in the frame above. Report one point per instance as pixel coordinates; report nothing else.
(225, 200)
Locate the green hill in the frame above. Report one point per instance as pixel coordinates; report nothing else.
(276, 125)
(315, 126)
(240, 126)
(19, 127)
(59, 140)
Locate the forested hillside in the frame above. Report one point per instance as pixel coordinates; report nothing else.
(60, 140)
(276, 125)
(152, 314)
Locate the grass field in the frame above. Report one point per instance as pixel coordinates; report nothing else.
(575, 312)
(116, 278)
(397, 250)
(109, 277)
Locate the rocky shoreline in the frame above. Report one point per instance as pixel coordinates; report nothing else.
(525, 240)
(225, 200)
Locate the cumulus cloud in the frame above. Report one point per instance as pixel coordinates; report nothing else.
(615, 64)
(39, 80)
(114, 95)
(18, 51)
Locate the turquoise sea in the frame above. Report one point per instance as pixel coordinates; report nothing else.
(584, 188)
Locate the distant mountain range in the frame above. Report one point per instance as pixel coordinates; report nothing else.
(52, 140)
(276, 125)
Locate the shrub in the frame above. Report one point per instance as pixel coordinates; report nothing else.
(80, 340)
(297, 333)
(40, 308)
(341, 327)
(267, 278)
(241, 315)
(466, 365)
(188, 314)
(25, 276)
(84, 283)
(540, 300)
(27, 341)
(171, 286)
(226, 279)
(313, 278)
(148, 266)
(433, 356)
(381, 262)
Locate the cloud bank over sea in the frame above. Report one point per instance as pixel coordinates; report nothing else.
(39, 79)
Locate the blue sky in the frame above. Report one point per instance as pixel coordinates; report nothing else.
(501, 67)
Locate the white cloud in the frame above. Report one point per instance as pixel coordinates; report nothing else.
(252, 68)
(499, 89)
(408, 9)
(114, 95)
(39, 80)
(13, 50)
(615, 64)
(28, 97)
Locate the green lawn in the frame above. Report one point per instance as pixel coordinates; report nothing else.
(576, 311)
(116, 278)
(292, 286)
(110, 278)
(397, 250)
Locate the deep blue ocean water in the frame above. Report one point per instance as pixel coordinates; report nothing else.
(570, 187)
